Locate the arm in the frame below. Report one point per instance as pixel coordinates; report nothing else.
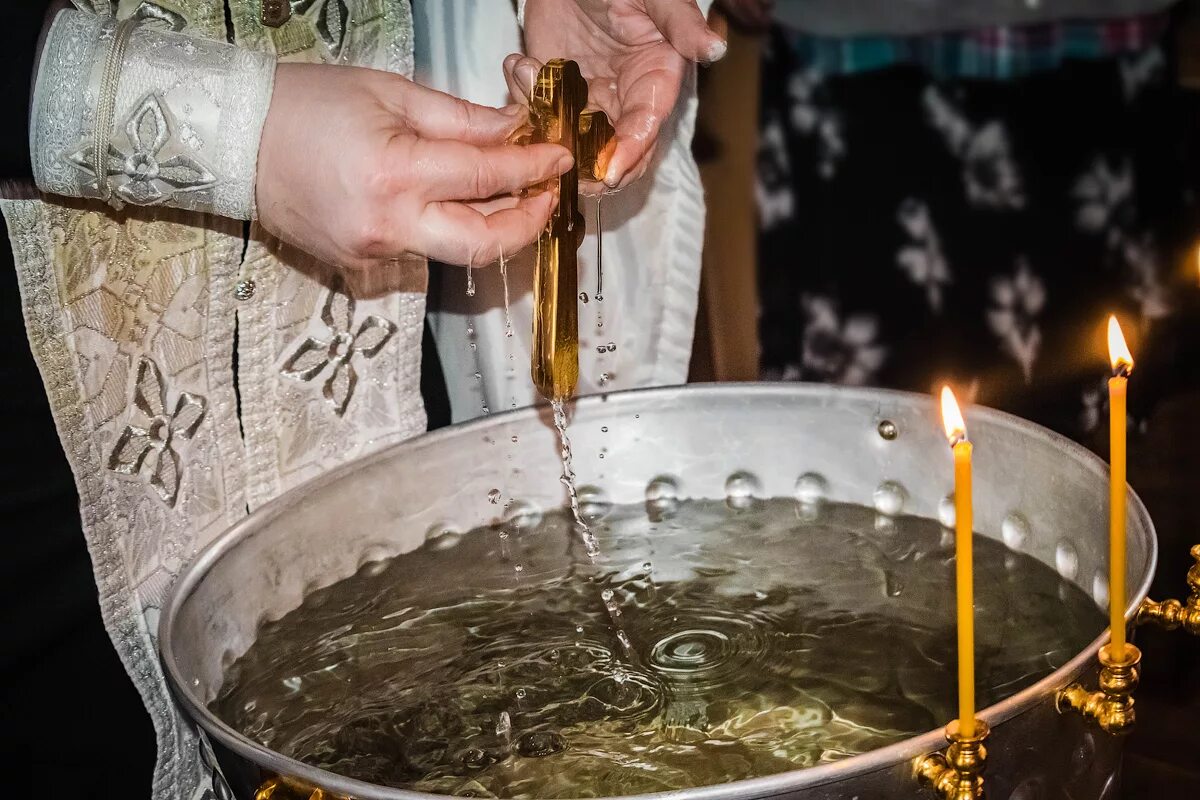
(356, 166)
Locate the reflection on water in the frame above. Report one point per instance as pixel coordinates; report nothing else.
(763, 637)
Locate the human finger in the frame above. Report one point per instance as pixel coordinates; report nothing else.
(455, 233)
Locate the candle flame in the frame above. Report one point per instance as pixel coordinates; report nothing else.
(1118, 352)
(952, 418)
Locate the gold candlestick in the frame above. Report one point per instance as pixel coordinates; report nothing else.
(957, 774)
(1111, 707)
(1172, 614)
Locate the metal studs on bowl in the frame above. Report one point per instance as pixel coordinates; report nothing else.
(594, 504)
(442, 536)
(811, 489)
(740, 490)
(1014, 529)
(662, 496)
(889, 498)
(374, 560)
(888, 430)
(1100, 588)
(947, 514)
(1066, 559)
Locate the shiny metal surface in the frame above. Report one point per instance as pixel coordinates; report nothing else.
(1036, 491)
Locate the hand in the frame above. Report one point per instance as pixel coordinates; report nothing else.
(359, 167)
(633, 53)
(753, 15)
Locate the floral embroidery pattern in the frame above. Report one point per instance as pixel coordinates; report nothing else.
(839, 351)
(336, 353)
(922, 260)
(1016, 303)
(328, 18)
(988, 170)
(158, 165)
(151, 451)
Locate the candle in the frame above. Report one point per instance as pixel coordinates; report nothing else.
(956, 432)
(1122, 365)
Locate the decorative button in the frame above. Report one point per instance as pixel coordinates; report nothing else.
(275, 12)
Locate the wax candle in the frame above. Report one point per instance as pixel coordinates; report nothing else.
(1122, 365)
(956, 432)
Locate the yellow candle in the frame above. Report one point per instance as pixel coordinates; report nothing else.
(1122, 365)
(956, 432)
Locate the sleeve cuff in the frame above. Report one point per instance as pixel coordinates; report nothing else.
(184, 116)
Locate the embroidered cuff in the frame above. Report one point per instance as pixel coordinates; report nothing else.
(162, 117)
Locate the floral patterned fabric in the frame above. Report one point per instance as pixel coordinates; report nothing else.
(915, 231)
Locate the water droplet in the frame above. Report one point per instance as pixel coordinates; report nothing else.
(518, 567)
(579, 629)
(1066, 559)
(637, 416)
(602, 455)
(503, 534)
(607, 595)
(515, 440)
(599, 298)
(604, 429)
(600, 348)
(478, 376)
(740, 490)
(485, 409)
(946, 512)
(604, 378)
(583, 298)
(494, 496)
(889, 498)
(520, 694)
(470, 329)
(1014, 529)
(611, 347)
(508, 332)
(811, 489)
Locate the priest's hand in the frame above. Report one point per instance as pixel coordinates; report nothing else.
(633, 53)
(358, 167)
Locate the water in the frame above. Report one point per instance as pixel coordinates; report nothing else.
(773, 639)
(591, 546)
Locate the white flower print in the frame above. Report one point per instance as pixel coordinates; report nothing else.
(1139, 70)
(922, 260)
(989, 172)
(839, 351)
(1016, 303)
(814, 118)
(1141, 257)
(1105, 197)
(772, 183)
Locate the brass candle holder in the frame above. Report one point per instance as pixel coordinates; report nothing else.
(957, 773)
(1172, 614)
(1111, 706)
(557, 114)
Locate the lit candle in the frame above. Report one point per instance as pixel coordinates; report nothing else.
(956, 432)
(1122, 365)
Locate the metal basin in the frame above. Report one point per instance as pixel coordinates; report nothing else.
(1035, 490)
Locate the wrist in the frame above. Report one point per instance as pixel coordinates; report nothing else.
(134, 114)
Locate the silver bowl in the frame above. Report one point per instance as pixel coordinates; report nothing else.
(1036, 491)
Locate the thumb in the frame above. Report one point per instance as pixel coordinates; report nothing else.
(683, 25)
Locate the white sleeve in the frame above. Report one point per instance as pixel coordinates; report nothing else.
(136, 114)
